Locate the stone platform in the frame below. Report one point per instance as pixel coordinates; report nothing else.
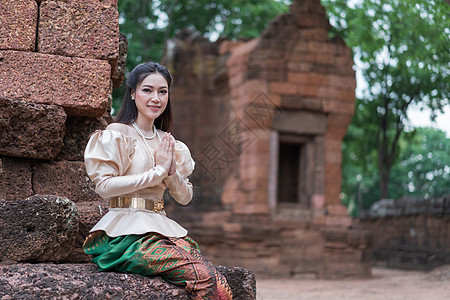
(84, 281)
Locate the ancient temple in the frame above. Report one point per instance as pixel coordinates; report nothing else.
(265, 119)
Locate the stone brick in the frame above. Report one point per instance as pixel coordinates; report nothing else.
(119, 72)
(307, 7)
(309, 20)
(18, 21)
(336, 107)
(313, 34)
(30, 130)
(103, 2)
(40, 228)
(85, 29)
(78, 130)
(65, 179)
(15, 179)
(79, 85)
(291, 102)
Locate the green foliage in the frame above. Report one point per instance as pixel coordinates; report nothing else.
(402, 50)
(148, 24)
(423, 168)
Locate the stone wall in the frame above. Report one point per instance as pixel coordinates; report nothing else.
(58, 60)
(409, 233)
(235, 102)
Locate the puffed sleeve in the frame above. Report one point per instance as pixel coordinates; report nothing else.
(108, 156)
(178, 183)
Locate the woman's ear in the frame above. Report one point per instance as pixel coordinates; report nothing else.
(133, 94)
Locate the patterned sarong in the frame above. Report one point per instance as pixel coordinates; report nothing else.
(178, 260)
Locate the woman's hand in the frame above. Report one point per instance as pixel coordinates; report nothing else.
(165, 155)
(173, 166)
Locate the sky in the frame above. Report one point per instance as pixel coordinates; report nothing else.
(422, 119)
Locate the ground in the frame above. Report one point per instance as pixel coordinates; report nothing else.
(385, 284)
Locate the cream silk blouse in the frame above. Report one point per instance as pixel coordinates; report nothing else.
(121, 165)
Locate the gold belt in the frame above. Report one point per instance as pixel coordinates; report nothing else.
(137, 203)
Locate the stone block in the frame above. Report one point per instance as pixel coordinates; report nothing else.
(303, 103)
(119, 72)
(301, 122)
(313, 34)
(30, 130)
(336, 209)
(79, 85)
(311, 20)
(18, 21)
(40, 228)
(78, 130)
(15, 179)
(307, 7)
(337, 107)
(103, 2)
(65, 179)
(85, 29)
(84, 281)
(89, 214)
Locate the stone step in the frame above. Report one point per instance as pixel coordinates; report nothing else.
(84, 281)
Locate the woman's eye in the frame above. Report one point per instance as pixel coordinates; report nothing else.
(163, 92)
(147, 90)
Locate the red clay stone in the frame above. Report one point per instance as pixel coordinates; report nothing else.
(88, 29)
(78, 130)
(104, 2)
(65, 179)
(30, 130)
(15, 179)
(18, 21)
(79, 85)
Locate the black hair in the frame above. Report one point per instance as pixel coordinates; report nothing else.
(128, 112)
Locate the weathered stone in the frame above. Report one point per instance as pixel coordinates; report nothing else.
(409, 233)
(89, 214)
(102, 2)
(40, 228)
(119, 73)
(15, 178)
(65, 179)
(18, 21)
(78, 130)
(83, 281)
(241, 281)
(79, 85)
(30, 130)
(85, 29)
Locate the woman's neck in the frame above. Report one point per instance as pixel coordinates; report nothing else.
(145, 125)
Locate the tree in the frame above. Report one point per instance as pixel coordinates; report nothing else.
(424, 164)
(402, 47)
(149, 24)
(423, 168)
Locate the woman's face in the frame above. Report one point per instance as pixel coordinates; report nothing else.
(151, 96)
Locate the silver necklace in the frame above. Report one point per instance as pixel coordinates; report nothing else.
(145, 142)
(141, 134)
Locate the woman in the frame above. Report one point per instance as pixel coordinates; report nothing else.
(132, 162)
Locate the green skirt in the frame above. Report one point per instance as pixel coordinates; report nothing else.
(178, 260)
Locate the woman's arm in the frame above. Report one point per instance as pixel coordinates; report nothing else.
(182, 166)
